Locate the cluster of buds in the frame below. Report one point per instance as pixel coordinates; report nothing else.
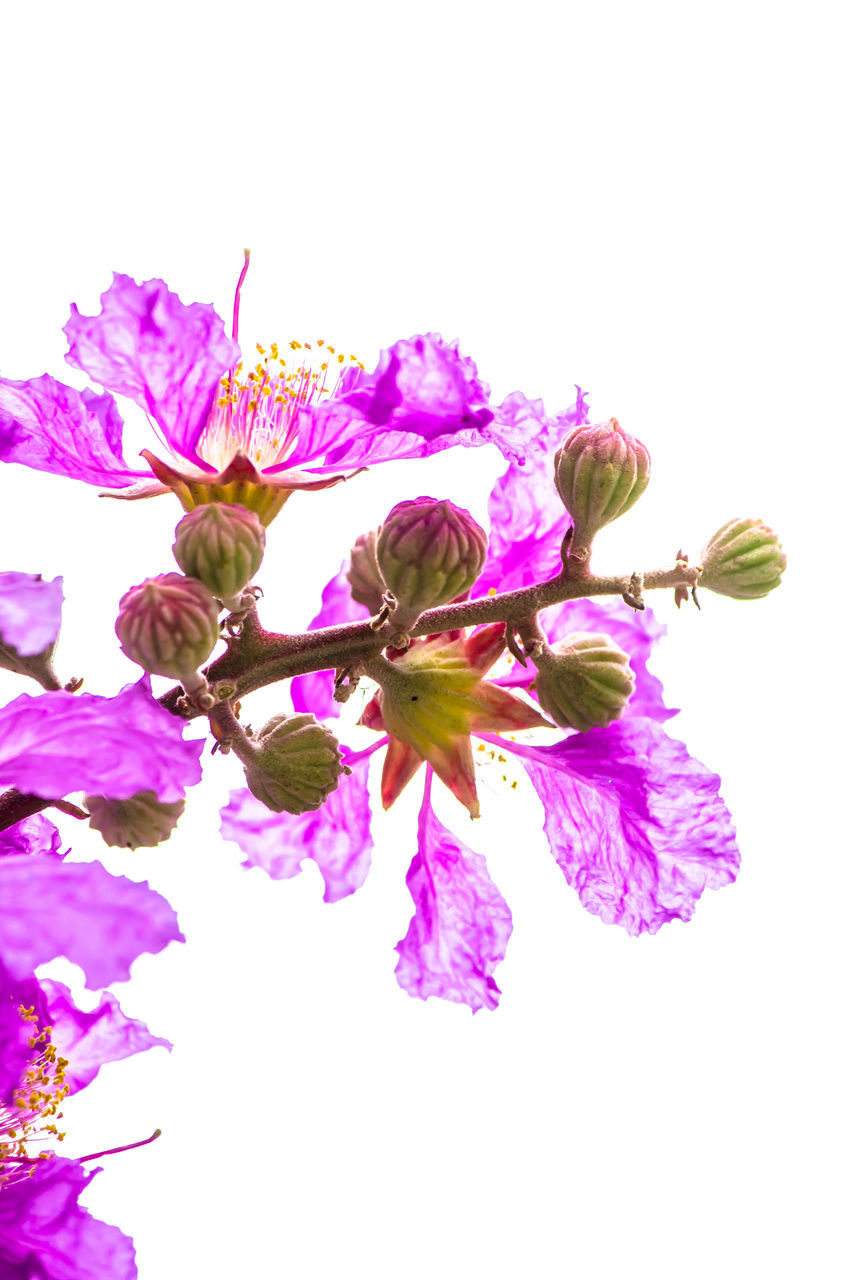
(169, 624)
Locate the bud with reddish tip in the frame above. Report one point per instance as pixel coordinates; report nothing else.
(221, 544)
(365, 580)
(600, 472)
(743, 560)
(584, 682)
(293, 764)
(140, 822)
(169, 625)
(429, 552)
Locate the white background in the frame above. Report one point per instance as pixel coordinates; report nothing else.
(649, 200)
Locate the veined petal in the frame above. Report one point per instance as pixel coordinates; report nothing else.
(165, 355)
(423, 396)
(78, 910)
(30, 612)
(53, 743)
(45, 1234)
(461, 926)
(337, 836)
(528, 520)
(88, 1039)
(50, 427)
(34, 835)
(636, 825)
(315, 692)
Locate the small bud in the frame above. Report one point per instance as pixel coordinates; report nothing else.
(221, 544)
(140, 822)
(584, 682)
(169, 625)
(428, 552)
(743, 560)
(296, 764)
(600, 472)
(365, 580)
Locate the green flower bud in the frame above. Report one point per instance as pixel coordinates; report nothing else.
(139, 822)
(365, 580)
(221, 544)
(600, 472)
(295, 765)
(429, 552)
(743, 560)
(584, 682)
(169, 625)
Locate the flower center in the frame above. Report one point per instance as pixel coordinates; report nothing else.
(257, 412)
(35, 1107)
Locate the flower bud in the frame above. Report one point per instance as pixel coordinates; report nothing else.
(584, 682)
(221, 544)
(428, 552)
(139, 822)
(169, 625)
(743, 560)
(365, 580)
(295, 765)
(600, 472)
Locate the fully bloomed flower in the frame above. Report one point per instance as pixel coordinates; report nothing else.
(249, 435)
(49, 1049)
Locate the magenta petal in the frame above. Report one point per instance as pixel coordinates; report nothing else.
(337, 836)
(78, 910)
(54, 743)
(163, 354)
(461, 926)
(423, 396)
(528, 520)
(314, 692)
(51, 427)
(16, 1052)
(89, 1039)
(45, 1234)
(637, 825)
(30, 612)
(35, 835)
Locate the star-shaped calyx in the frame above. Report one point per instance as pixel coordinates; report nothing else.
(431, 699)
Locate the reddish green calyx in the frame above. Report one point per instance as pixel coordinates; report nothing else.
(431, 699)
(169, 625)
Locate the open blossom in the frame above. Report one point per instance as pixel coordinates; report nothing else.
(636, 825)
(49, 1049)
(232, 432)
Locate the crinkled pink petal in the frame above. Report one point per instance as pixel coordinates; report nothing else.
(54, 743)
(337, 836)
(315, 692)
(528, 520)
(30, 612)
(50, 427)
(35, 835)
(78, 910)
(637, 826)
(164, 354)
(89, 1039)
(461, 926)
(423, 396)
(45, 1234)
